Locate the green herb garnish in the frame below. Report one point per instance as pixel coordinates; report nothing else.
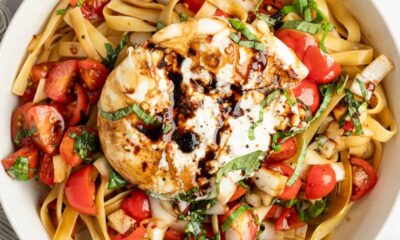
(160, 25)
(304, 26)
(20, 169)
(327, 92)
(116, 181)
(363, 88)
(252, 42)
(308, 210)
(239, 211)
(23, 133)
(353, 111)
(126, 111)
(85, 144)
(299, 166)
(341, 85)
(61, 11)
(112, 54)
(182, 17)
(189, 196)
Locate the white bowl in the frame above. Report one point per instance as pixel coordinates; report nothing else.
(375, 217)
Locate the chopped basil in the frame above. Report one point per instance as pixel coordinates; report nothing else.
(188, 196)
(79, 3)
(182, 17)
(256, 124)
(166, 128)
(304, 26)
(288, 98)
(326, 27)
(242, 28)
(126, 111)
(288, 9)
(263, 17)
(299, 166)
(231, 218)
(20, 169)
(85, 144)
(243, 185)
(61, 11)
(363, 88)
(307, 15)
(327, 92)
(291, 203)
(270, 97)
(116, 181)
(160, 25)
(341, 85)
(23, 133)
(252, 42)
(353, 111)
(112, 54)
(308, 210)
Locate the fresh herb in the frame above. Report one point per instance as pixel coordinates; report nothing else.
(299, 166)
(304, 26)
(280, 137)
(166, 127)
(112, 54)
(292, 202)
(327, 92)
(270, 97)
(61, 11)
(182, 17)
(363, 88)
(126, 111)
(308, 210)
(288, 98)
(353, 111)
(116, 181)
(20, 169)
(231, 218)
(79, 3)
(188, 196)
(160, 25)
(194, 227)
(263, 17)
(252, 42)
(285, 10)
(85, 144)
(341, 85)
(251, 133)
(318, 140)
(243, 185)
(23, 133)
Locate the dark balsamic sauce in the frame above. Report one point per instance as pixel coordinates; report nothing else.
(186, 140)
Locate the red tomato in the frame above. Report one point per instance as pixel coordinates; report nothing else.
(93, 73)
(67, 147)
(49, 125)
(289, 219)
(272, 211)
(172, 234)
(348, 126)
(220, 13)
(114, 235)
(137, 205)
(78, 109)
(46, 173)
(270, 7)
(27, 152)
(240, 191)
(288, 150)
(93, 9)
(80, 189)
(243, 227)
(59, 80)
(320, 181)
(20, 124)
(296, 40)
(322, 68)
(284, 169)
(194, 5)
(364, 178)
(40, 71)
(308, 93)
(93, 96)
(73, 2)
(137, 234)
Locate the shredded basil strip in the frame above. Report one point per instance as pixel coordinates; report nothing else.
(288, 98)
(308, 210)
(188, 196)
(327, 92)
(160, 25)
(116, 181)
(280, 137)
(242, 28)
(299, 166)
(304, 26)
(61, 11)
(85, 144)
(252, 42)
(270, 97)
(126, 111)
(363, 88)
(255, 125)
(342, 83)
(239, 211)
(353, 111)
(288, 9)
(182, 17)
(23, 133)
(20, 169)
(112, 54)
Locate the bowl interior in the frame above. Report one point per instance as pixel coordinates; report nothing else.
(371, 218)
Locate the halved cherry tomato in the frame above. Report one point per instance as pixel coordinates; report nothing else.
(137, 234)
(137, 205)
(243, 227)
(220, 13)
(73, 2)
(20, 125)
(78, 109)
(172, 234)
(93, 9)
(114, 235)
(59, 80)
(67, 147)
(27, 152)
(272, 211)
(286, 170)
(308, 93)
(364, 178)
(270, 7)
(194, 5)
(40, 71)
(348, 126)
(49, 125)
(322, 68)
(80, 189)
(289, 219)
(298, 41)
(46, 173)
(288, 150)
(93, 73)
(320, 181)
(93, 96)
(240, 191)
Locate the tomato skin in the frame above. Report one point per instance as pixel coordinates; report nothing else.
(93, 73)
(194, 5)
(137, 205)
(240, 191)
(29, 152)
(308, 93)
(46, 173)
(19, 122)
(270, 7)
(364, 178)
(49, 125)
(298, 41)
(289, 219)
(79, 108)
(288, 150)
(137, 234)
(289, 192)
(93, 9)
(172, 234)
(320, 181)
(272, 211)
(246, 225)
(40, 71)
(59, 80)
(80, 191)
(322, 68)
(67, 147)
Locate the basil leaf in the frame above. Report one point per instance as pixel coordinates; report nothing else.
(353, 112)
(239, 211)
(182, 17)
(112, 54)
(270, 97)
(307, 27)
(252, 41)
(160, 25)
(189, 196)
(288, 98)
(85, 144)
(256, 124)
(61, 11)
(299, 166)
(116, 181)
(195, 227)
(126, 111)
(363, 88)
(342, 83)
(288, 9)
(265, 18)
(20, 169)
(242, 28)
(308, 210)
(235, 37)
(328, 93)
(23, 133)
(291, 203)
(280, 137)
(307, 15)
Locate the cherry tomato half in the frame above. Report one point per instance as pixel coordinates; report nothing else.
(322, 68)
(40, 71)
(79, 108)
(93, 73)
(296, 40)
(80, 189)
(308, 93)
(289, 219)
(288, 150)
(46, 173)
(93, 9)
(243, 227)
(320, 181)
(137, 205)
(364, 178)
(20, 125)
(59, 80)
(272, 211)
(194, 5)
(49, 125)
(240, 191)
(172, 234)
(286, 170)
(31, 153)
(67, 151)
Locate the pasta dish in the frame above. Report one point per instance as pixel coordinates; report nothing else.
(199, 119)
